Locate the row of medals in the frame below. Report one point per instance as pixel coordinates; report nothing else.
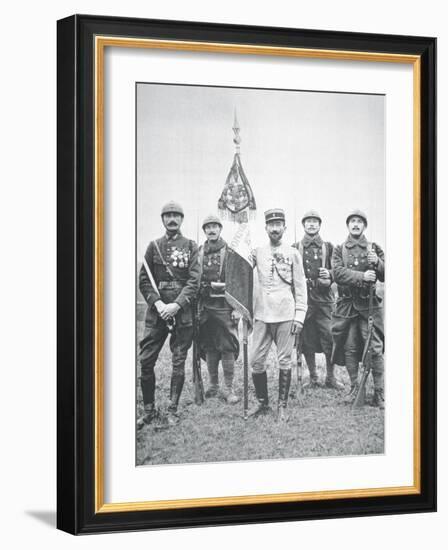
(179, 258)
(355, 262)
(213, 260)
(275, 259)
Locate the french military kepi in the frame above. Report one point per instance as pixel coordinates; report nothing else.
(311, 214)
(172, 207)
(357, 214)
(274, 214)
(211, 219)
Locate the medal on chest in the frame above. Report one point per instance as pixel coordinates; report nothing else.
(179, 257)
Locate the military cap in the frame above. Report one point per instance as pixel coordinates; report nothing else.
(357, 213)
(311, 214)
(274, 214)
(173, 207)
(211, 219)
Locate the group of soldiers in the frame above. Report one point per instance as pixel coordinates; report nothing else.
(294, 302)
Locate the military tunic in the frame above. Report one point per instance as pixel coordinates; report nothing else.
(218, 332)
(280, 298)
(176, 273)
(316, 333)
(350, 318)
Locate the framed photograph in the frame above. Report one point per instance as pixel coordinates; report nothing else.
(246, 274)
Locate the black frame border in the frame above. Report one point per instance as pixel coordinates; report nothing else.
(76, 263)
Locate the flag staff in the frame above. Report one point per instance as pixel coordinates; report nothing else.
(237, 142)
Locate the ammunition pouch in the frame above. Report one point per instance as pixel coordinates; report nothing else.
(213, 289)
(217, 289)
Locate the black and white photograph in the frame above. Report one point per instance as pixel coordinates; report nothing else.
(260, 269)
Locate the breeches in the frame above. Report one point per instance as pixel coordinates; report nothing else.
(152, 343)
(357, 335)
(263, 336)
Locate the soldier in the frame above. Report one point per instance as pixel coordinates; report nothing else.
(316, 334)
(279, 311)
(219, 321)
(357, 264)
(169, 282)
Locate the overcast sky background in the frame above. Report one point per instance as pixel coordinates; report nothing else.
(299, 150)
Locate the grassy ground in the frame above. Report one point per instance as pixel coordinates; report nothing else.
(216, 432)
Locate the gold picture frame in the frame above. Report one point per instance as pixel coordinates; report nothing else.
(82, 507)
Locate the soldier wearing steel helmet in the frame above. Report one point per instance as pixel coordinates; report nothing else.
(218, 320)
(169, 282)
(316, 334)
(357, 264)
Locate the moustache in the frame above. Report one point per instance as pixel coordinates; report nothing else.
(174, 224)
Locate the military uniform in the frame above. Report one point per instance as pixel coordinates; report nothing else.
(350, 318)
(280, 299)
(316, 333)
(218, 331)
(176, 273)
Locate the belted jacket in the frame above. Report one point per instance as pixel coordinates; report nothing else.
(316, 254)
(175, 270)
(212, 259)
(349, 264)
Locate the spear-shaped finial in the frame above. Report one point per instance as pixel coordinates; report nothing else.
(236, 131)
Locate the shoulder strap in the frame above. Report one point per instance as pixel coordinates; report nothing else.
(324, 254)
(167, 267)
(282, 278)
(344, 255)
(223, 256)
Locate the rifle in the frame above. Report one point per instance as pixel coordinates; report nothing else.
(299, 370)
(170, 323)
(197, 375)
(365, 365)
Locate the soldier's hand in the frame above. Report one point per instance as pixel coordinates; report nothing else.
(372, 257)
(160, 306)
(170, 311)
(235, 317)
(324, 273)
(369, 276)
(296, 327)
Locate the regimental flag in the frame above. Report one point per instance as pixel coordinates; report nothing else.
(237, 205)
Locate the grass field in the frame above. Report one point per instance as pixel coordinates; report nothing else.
(216, 432)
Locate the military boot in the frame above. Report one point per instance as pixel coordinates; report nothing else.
(261, 391)
(228, 366)
(310, 359)
(149, 414)
(284, 383)
(212, 358)
(378, 399)
(148, 385)
(177, 383)
(378, 381)
(331, 381)
(351, 364)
